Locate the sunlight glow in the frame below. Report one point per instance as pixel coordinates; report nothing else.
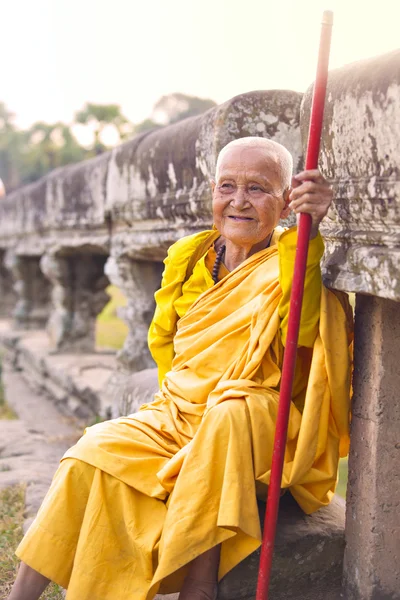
(58, 55)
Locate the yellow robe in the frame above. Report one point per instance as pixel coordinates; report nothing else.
(140, 497)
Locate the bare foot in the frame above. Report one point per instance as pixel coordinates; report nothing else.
(194, 589)
(201, 582)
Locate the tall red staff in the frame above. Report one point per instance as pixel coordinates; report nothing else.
(296, 300)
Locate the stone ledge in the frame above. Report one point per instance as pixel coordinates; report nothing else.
(75, 382)
(360, 155)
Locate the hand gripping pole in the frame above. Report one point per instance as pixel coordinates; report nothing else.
(296, 300)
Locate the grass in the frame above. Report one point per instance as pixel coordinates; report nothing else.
(12, 505)
(111, 331)
(5, 411)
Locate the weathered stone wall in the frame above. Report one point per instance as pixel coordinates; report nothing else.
(158, 185)
(361, 155)
(65, 207)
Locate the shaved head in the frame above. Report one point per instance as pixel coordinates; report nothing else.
(273, 152)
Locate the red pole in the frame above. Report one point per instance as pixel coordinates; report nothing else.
(296, 300)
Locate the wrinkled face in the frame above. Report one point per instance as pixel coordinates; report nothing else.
(248, 199)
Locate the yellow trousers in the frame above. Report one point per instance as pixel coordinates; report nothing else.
(104, 540)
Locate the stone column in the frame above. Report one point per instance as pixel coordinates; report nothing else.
(7, 291)
(372, 555)
(138, 279)
(32, 291)
(78, 296)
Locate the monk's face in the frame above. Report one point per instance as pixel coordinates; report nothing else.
(248, 196)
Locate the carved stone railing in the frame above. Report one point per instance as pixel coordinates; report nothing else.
(121, 211)
(54, 240)
(361, 154)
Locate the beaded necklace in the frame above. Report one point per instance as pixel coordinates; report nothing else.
(217, 264)
(219, 257)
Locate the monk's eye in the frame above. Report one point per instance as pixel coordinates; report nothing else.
(256, 189)
(226, 187)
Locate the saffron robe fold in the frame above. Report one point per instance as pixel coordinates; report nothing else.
(199, 452)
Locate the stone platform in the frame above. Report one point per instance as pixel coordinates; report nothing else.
(76, 383)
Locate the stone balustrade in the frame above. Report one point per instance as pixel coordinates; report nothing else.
(111, 219)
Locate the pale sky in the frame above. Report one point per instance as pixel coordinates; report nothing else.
(58, 54)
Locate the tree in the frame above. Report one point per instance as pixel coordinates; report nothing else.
(48, 146)
(146, 125)
(99, 116)
(25, 156)
(10, 149)
(175, 107)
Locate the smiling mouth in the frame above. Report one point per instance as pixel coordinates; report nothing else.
(239, 218)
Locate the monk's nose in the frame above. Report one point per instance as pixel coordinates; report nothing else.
(239, 199)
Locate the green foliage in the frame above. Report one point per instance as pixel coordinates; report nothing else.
(11, 142)
(175, 107)
(5, 411)
(49, 146)
(146, 125)
(25, 156)
(100, 115)
(111, 331)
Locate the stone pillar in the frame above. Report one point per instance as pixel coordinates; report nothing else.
(32, 291)
(7, 291)
(138, 279)
(372, 555)
(78, 296)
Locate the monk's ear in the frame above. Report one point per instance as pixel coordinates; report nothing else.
(213, 184)
(286, 210)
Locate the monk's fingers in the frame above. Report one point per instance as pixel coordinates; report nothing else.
(318, 204)
(312, 205)
(311, 192)
(310, 187)
(310, 175)
(316, 216)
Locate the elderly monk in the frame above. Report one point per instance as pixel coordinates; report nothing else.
(166, 499)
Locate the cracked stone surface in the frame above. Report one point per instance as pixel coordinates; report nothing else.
(360, 156)
(32, 445)
(76, 383)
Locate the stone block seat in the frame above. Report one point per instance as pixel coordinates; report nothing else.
(309, 549)
(308, 557)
